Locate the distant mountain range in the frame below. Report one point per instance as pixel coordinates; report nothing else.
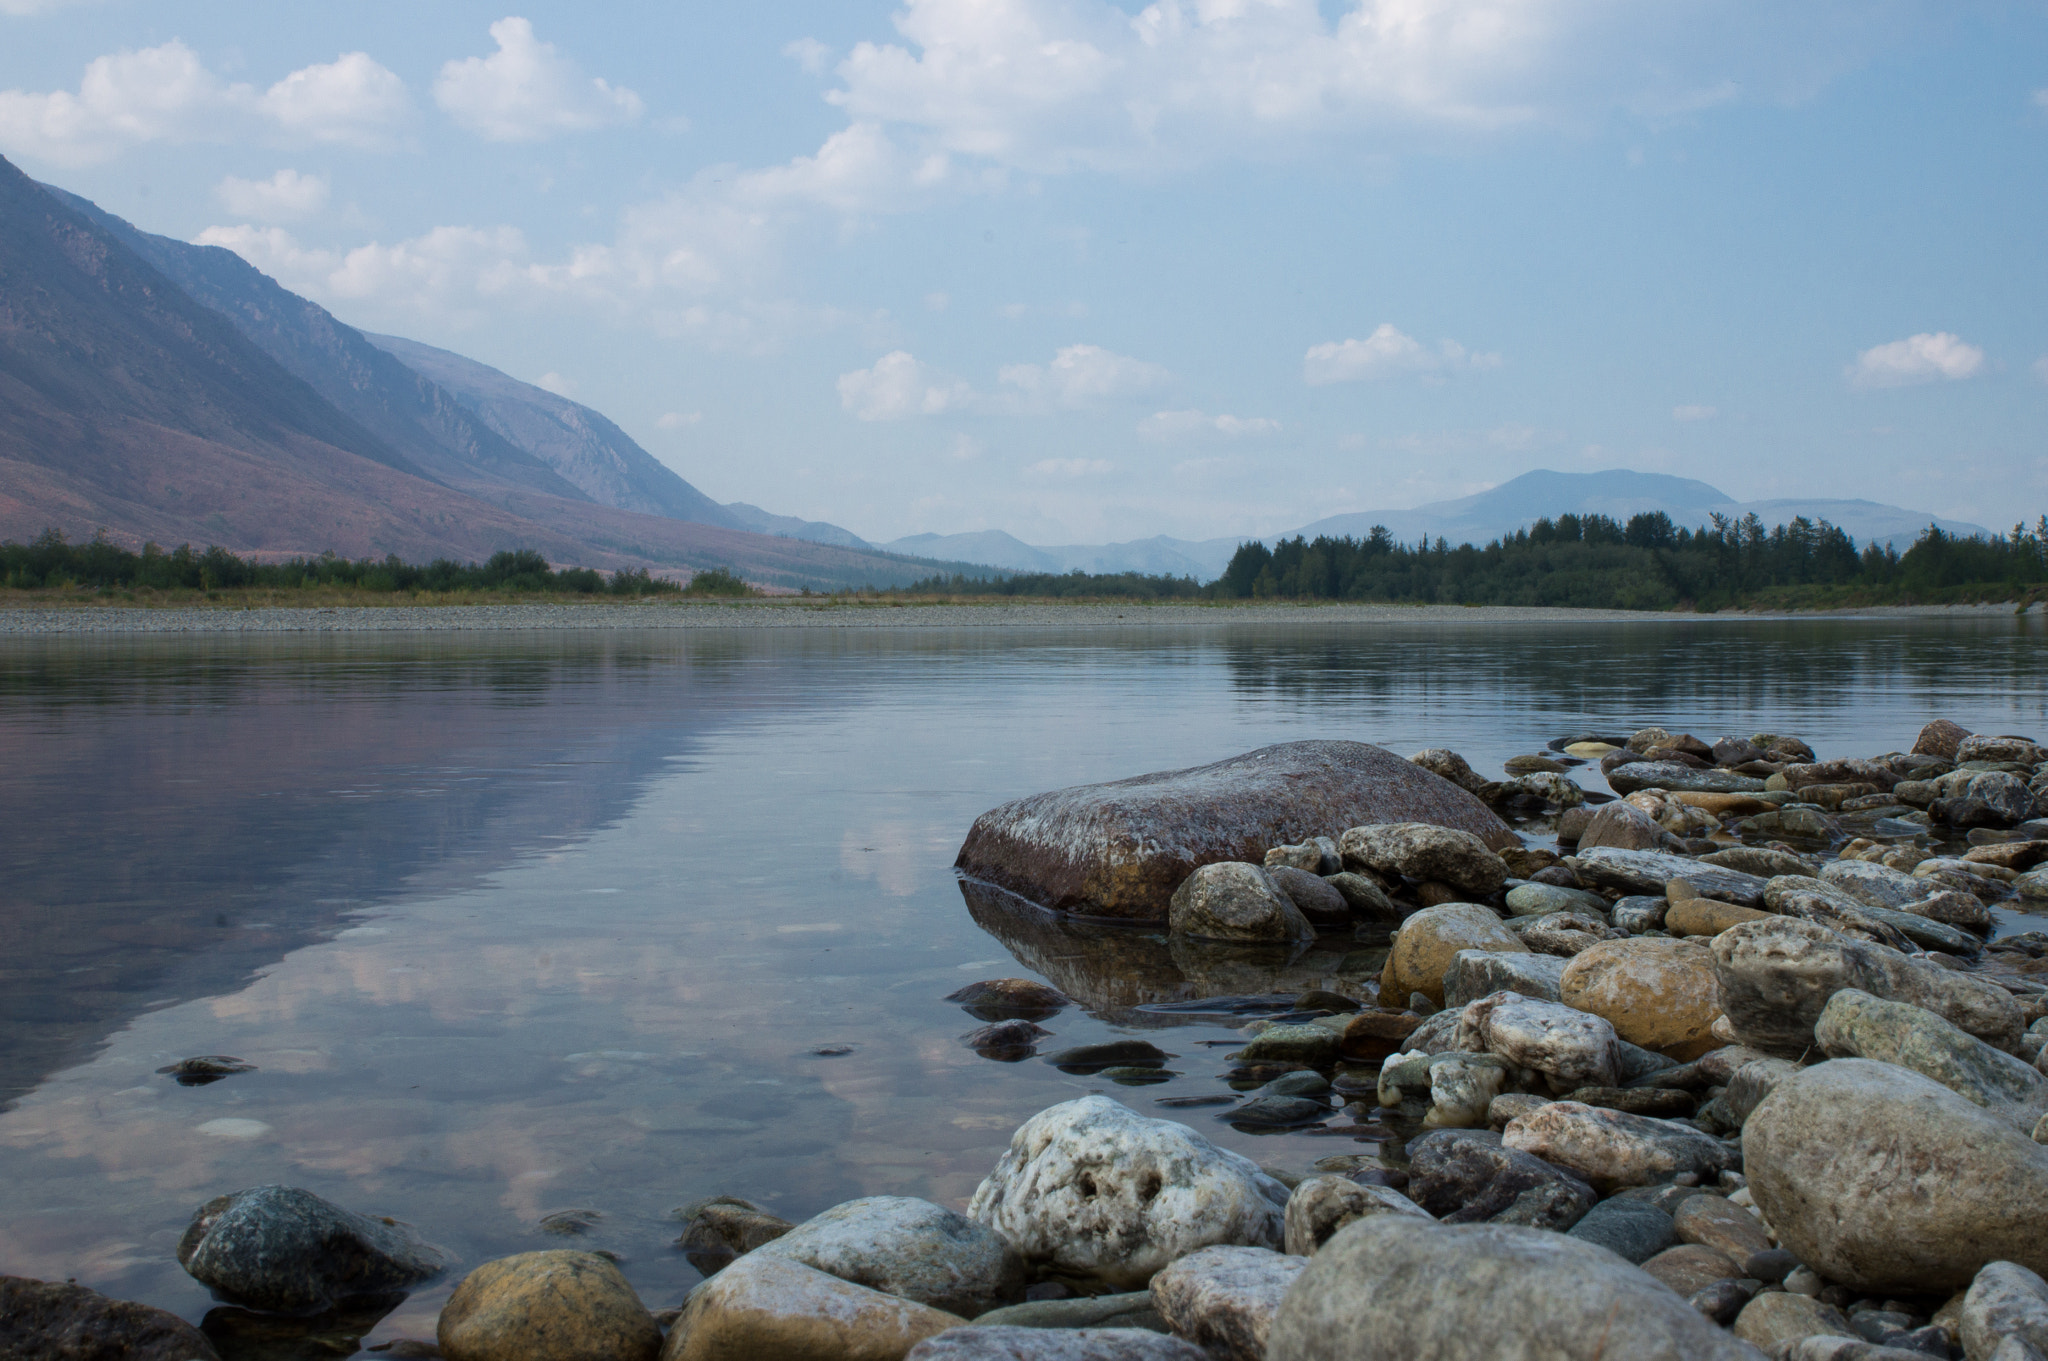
(171, 392)
(1516, 504)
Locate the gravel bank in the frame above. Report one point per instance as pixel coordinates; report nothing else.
(113, 619)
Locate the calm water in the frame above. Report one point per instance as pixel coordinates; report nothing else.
(556, 922)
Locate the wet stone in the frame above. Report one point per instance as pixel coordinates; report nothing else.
(1091, 1058)
(997, 999)
(282, 1248)
(722, 1228)
(1006, 1041)
(197, 1072)
(52, 1321)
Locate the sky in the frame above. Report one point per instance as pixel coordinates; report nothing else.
(1095, 270)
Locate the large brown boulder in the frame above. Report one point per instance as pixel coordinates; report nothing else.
(1121, 849)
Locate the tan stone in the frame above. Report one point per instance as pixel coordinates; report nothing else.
(1656, 992)
(1740, 805)
(547, 1306)
(1689, 1267)
(1711, 1222)
(764, 1306)
(1778, 1317)
(1428, 941)
(1705, 917)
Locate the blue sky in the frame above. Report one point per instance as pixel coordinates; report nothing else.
(1085, 270)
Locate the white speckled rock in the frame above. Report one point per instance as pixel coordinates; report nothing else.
(2005, 1301)
(1613, 1149)
(913, 1248)
(1223, 1299)
(770, 1306)
(1322, 1205)
(1392, 1288)
(1421, 850)
(1884, 1180)
(1570, 1048)
(1094, 1189)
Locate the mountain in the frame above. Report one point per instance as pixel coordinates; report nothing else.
(600, 460)
(1513, 505)
(791, 527)
(129, 404)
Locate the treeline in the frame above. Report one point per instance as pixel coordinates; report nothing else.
(1649, 563)
(1063, 586)
(49, 562)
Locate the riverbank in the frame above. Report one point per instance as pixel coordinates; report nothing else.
(229, 618)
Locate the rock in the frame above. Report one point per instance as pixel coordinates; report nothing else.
(1230, 900)
(1534, 900)
(1450, 766)
(1372, 1036)
(1775, 977)
(1475, 973)
(1815, 900)
(1093, 1058)
(1711, 1222)
(2018, 750)
(1882, 1179)
(1322, 1205)
(1310, 1044)
(1750, 1084)
(1562, 934)
(1981, 799)
(1940, 738)
(1662, 1103)
(1630, 1229)
(1470, 1176)
(1315, 856)
(1705, 917)
(1311, 893)
(1673, 776)
(284, 1249)
(1872, 883)
(2005, 1300)
(909, 1248)
(1301, 1083)
(1723, 1300)
(997, 999)
(1277, 1111)
(2018, 856)
(772, 1306)
(1571, 1048)
(1773, 1320)
(1365, 898)
(1649, 871)
(1622, 826)
(1760, 861)
(48, 1321)
(1461, 1090)
(979, 1343)
(1421, 850)
(1006, 1041)
(1124, 1309)
(1639, 913)
(1395, 1289)
(204, 1069)
(561, 1305)
(1856, 1025)
(1613, 1149)
(1545, 787)
(1842, 770)
(1121, 849)
(1428, 941)
(1223, 1299)
(724, 1227)
(1094, 1190)
(1572, 824)
(1657, 993)
(1688, 1268)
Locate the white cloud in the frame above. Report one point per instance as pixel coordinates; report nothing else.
(1388, 353)
(1190, 425)
(1070, 469)
(1048, 85)
(528, 90)
(2041, 99)
(166, 94)
(2041, 368)
(285, 197)
(449, 273)
(937, 302)
(22, 9)
(677, 420)
(810, 54)
(897, 387)
(965, 448)
(1694, 413)
(556, 383)
(1924, 358)
(1080, 375)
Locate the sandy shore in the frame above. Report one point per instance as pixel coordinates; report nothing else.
(815, 614)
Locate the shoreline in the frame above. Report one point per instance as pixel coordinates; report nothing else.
(796, 612)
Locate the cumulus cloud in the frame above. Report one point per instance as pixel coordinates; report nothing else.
(898, 387)
(1070, 469)
(166, 94)
(1081, 375)
(1050, 85)
(1388, 353)
(1931, 356)
(448, 273)
(1694, 413)
(1193, 425)
(528, 90)
(286, 196)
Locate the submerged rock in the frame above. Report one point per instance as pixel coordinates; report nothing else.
(571, 1306)
(49, 1321)
(1091, 1189)
(1885, 1180)
(282, 1248)
(1395, 1289)
(999, 999)
(1120, 849)
(910, 1248)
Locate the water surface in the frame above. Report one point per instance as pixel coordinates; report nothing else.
(528, 923)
